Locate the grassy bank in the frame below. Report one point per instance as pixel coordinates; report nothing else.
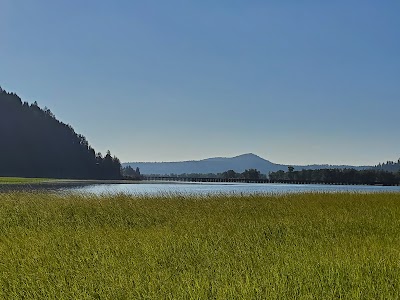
(22, 180)
(309, 246)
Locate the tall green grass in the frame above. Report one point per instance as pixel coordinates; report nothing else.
(304, 246)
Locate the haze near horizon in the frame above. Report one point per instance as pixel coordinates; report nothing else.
(295, 83)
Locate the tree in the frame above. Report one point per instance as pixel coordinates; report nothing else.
(230, 174)
(131, 173)
(290, 170)
(251, 174)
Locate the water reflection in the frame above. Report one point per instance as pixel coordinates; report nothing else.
(218, 188)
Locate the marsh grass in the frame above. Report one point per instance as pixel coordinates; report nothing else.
(303, 246)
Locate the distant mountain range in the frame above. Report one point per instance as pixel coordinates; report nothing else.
(221, 164)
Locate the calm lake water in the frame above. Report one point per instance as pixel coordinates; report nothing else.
(218, 188)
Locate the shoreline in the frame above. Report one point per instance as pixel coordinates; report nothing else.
(58, 184)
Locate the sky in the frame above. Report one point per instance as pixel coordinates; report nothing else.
(295, 82)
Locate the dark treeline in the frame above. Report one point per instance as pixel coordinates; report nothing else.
(349, 176)
(35, 144)
(333, 176)
(389, 166)
(251, 174)
(130, 173)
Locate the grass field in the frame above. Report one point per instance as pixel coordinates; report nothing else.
(307, 246)
(21, 180)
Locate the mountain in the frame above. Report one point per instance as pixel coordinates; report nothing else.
(221, 164)
(35, 144)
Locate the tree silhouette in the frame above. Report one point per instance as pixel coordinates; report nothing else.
(35, 144)
(350, 176)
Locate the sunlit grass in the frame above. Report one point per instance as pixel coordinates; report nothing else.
(21, 180)
(303, 246)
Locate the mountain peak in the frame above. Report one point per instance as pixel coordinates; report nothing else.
(247, 155)
(218, 165)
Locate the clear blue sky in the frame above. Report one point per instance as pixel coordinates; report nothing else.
(295, 82)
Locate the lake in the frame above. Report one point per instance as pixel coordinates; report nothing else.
(218, 188)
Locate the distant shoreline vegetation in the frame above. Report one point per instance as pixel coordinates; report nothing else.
(35, 144)
(335, 176)
(328, 176)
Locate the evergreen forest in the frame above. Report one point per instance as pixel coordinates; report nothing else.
(33, 143)
(335, 176)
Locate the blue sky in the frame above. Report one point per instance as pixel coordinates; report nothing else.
(295, 82)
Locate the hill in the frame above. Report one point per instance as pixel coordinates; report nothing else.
(221, 164)
(35, 144)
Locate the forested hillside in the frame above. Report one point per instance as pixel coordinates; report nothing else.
(33, 143)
